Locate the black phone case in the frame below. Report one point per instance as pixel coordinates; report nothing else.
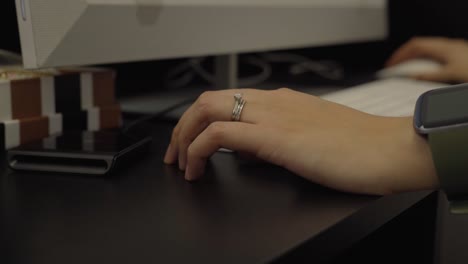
(83, 152)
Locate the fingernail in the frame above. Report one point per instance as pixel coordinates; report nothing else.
(166, 156)
(182, 166)
(188, 173)
(194, 171)
(182, 162)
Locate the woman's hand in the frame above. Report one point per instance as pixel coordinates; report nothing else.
(451, 53)
(324, 142)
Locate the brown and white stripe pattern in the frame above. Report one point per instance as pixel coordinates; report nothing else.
(47, 95)
(20, 131)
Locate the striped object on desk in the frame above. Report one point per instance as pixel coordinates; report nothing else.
(68, 91)
(20, 131)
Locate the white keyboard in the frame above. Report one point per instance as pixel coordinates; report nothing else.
(388, 97)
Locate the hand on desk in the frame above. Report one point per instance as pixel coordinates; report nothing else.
(324, 142)
(451, 53)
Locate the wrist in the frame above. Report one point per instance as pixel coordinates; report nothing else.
(413, 168)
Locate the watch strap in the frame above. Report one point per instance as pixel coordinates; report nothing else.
(450, 155)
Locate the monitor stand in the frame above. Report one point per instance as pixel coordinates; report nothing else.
(226, 76)
(226, 71)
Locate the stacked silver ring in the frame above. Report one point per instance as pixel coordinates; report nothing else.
(239, 103)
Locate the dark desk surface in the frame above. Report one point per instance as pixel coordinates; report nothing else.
(242, 212)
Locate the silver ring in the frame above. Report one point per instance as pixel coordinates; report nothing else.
(239, 104)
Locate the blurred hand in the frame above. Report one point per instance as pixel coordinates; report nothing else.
(324, 142)
(451, 53)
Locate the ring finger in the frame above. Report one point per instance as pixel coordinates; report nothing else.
(209, 107)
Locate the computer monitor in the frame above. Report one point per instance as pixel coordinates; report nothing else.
(86, 32)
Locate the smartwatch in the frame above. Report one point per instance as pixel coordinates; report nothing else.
(442, 116)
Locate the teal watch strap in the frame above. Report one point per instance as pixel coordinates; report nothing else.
(450, 155)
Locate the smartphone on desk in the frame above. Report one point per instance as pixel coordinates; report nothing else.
(78, 152)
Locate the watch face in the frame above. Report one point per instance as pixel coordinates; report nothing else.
(443, 107)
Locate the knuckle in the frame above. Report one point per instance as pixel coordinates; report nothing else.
(184, 141)
(415, 40)
(205, 104)
(175, 134)
(216, 130)
(206, 97)
(283, 90)
(191, 152)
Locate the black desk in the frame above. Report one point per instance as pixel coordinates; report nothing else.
(241, 212)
